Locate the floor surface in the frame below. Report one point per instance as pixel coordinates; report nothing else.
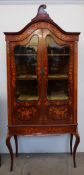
(43, 164)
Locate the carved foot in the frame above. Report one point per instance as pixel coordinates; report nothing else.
(71, 141)
(10, 150)
(77, 141)
(0, 160)
(16, 145)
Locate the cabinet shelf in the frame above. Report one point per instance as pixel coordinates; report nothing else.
(27, 54)
(58, 76)
(26, 77)
(27, 98)
(55, 54)
(58, 97)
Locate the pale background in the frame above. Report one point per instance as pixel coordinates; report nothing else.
(13, 18)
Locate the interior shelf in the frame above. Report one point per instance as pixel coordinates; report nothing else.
(27, 54)
(58, 76)
(58, 97)
(27, 98)
(26, 77)
(53, 54)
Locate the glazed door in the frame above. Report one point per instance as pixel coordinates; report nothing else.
(42, 93)
(26, 71)
(57, 83)
(28, 86)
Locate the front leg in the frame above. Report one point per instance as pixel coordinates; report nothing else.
(71, 140)
(8, 143)
(77, 141)
(16, 144)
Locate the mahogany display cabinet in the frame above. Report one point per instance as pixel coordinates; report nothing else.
(42, 81)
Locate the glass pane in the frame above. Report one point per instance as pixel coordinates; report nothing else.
(26, 70)
(26, 90)
(58, 58)
(57, 90)
(26, 58)
(58, 62)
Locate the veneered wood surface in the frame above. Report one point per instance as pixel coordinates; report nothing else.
(43, 112)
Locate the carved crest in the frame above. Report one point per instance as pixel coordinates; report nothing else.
(42, 14)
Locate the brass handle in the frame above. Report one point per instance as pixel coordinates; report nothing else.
(42, 72)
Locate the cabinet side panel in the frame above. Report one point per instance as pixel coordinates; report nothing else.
(8, 81)
(75, 80)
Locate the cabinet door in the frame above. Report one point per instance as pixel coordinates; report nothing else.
(56, 80)
(27, 91)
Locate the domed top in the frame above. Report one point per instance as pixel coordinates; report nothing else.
(42, 16)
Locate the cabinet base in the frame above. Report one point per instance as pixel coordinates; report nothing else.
(15, 131)
(72, 133)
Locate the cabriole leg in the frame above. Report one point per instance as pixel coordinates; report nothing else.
(8, 143)
(16, 144)
(77, 141)
(71, 141)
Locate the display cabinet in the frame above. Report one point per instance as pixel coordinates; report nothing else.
(42, 81)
